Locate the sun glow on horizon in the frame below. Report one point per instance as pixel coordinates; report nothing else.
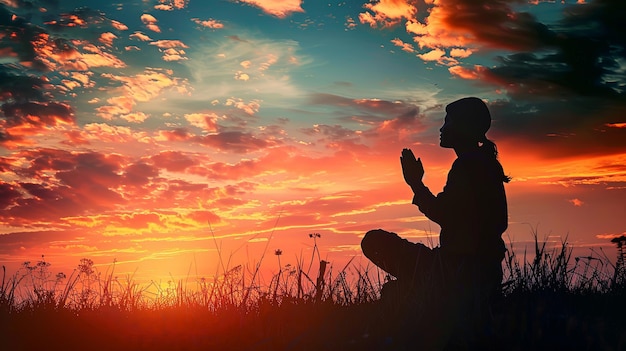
(166, 138)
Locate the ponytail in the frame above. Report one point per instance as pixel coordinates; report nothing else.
(490, 148)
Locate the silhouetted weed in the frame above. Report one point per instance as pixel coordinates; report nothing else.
(553, 301)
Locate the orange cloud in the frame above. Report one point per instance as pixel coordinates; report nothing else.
(350, 23)
(57, 56)
(241, 76)
(177, 134)
(278, 8)
(610, 236)
(437, 32)
(576, 202)
(150, 22)
(74, 183)
(467, 73)
(147, 85)
(108, 133)
(68, 20)
(118, 25)
(433, 55)
(206, 121)
(461, 53)
(107, 38)
(405, 46)
(415, 27)
(210, 23)
(75, 137)
(138, 88)
(117, 105)
(102, 59)
(170, 5)
(250, 108)
(11, 3)
(170, 49)
(174, 55)
(135, 117)
(458, 26)
(165, 44)
(83, 78)
(387, 12)
(140, 36)
(163, 7)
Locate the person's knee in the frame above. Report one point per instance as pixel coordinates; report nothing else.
(371, 240)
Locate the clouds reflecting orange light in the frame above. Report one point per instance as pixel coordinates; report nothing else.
(163, 134)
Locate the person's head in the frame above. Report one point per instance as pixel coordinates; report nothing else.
(466, 122)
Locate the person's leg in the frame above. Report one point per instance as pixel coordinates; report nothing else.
(476, 285)
(399, 257)
(404, 298)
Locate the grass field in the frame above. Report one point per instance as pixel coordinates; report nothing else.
(552, 302)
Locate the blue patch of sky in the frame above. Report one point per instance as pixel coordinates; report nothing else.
(546, 12)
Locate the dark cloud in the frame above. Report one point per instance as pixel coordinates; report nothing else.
(31, 210)
(8, 195)
(219, 170)
(24, 40)
(177, 185)
(387, 122)
(177, 134)
(58, 183)
(239, 142)
(18, 36)
(565, 81)
(138, 174)
(43, 160)
(236, 38)
(173, 161)
(14, 243)
(39, 191)
(81, 17)
(227, 140)
(559, 129)
(376, 108)
(410, 119)
(580, 55)
(75, 137)
(92, 167)
(139, 220)
(334, 132)
(494, 23)
(20, 88)
(33, 5)
(329, 99)
(37, 57)
(21, 119)
(204, 217)
(36, 113)
(27, 97)
(373, 112)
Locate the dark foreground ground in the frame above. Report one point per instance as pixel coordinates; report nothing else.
(532, 321)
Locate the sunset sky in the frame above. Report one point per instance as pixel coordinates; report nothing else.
(158, 133)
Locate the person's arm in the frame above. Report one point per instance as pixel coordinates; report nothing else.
(430, 205)
(413, 172)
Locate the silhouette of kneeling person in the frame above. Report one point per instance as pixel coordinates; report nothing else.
(471, 211)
